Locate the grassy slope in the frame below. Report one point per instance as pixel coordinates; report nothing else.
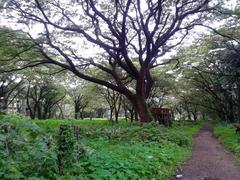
(228, 137)
(126, 151)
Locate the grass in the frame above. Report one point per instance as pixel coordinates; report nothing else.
(228, 137)
(53, 123)
(104, 151)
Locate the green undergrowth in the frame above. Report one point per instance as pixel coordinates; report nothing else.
(54, 123)
(228, 137)
(48, 149)
(1, 116)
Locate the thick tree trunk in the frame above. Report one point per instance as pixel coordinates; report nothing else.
(143, 88)
(141, 109)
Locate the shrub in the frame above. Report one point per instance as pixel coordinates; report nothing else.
(23, 150)
(65, 148)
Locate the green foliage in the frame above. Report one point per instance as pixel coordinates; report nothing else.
(228, 137)
(65, 143)
(16, 49)
(144, 134)
(23, 150)
(123, 151)
(53, 124)
(140, 160)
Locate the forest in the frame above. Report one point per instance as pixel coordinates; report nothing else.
(120, 89)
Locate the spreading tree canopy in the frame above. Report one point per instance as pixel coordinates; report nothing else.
(127, 37)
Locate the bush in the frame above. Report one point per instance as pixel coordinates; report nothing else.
(23, 151)
(1, 116)
(65, 148)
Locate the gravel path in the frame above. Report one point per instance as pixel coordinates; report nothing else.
(210, 160)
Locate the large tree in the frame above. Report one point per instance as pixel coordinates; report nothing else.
(129, 36)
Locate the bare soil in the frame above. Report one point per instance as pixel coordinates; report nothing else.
(210, 160)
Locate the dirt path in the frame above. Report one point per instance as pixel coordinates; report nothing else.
(210, 159)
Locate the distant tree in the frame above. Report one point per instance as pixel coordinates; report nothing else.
(10, 88)
(114, 101)
(42, 98)
(80, 103)
(128, 110)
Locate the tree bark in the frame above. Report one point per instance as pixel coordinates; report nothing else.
(111, 115)
(76, 112)
(81, 114)
(131, 115)
(125, 114)
(141, 109)
(117, 107)
(143, 87)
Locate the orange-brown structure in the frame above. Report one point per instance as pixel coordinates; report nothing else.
(162, 115)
